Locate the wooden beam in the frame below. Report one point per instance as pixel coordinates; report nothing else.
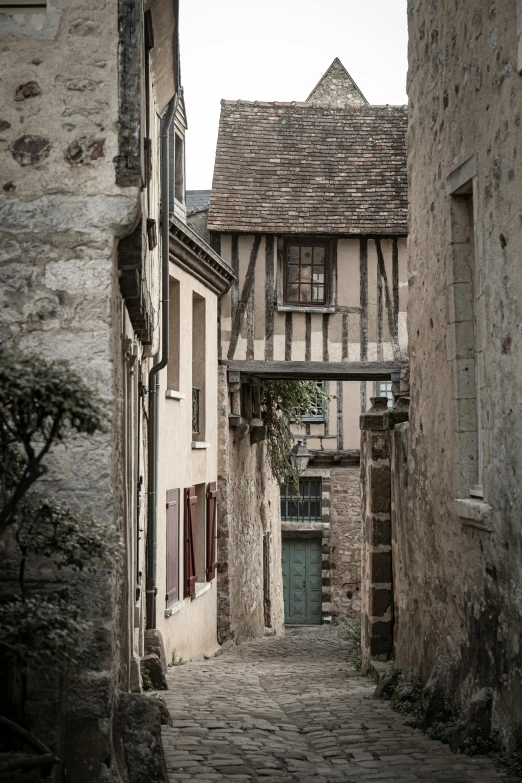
(333, 371)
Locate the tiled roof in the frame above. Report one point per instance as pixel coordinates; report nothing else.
(197, 199)
(300, 168)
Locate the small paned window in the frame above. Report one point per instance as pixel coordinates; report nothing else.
(305, 273)
(308, 508)
(384, 389)
(317, 413)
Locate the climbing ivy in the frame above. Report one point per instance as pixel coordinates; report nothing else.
(284, 402)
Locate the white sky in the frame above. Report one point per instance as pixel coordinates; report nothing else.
(277, 50)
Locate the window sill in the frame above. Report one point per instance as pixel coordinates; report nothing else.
(305, 309)
(201, 587)
(174, 609)
(170, 394)
(474, 513)
(200, 444)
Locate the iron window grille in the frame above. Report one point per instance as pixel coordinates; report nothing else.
(195, 411)
(306, 267)
(306, 508)
(384, 389)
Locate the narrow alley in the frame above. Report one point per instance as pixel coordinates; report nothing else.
(294, 709)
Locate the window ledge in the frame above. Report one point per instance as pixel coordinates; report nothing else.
(474, 513)
(200, 444)
(174, 609)
(170, 394)
(305, 309)
(201, 587)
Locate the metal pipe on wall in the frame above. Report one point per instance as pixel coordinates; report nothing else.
(154, 383)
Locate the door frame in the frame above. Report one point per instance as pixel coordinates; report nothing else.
(301, 535)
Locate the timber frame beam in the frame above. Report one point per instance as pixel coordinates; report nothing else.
(331, 371)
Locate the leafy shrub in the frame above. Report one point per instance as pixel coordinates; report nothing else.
(281, 403)
(350, 631)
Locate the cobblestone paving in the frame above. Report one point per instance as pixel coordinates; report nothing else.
(293, 709)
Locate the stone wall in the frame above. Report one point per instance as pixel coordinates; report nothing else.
(345, 541)
(463, 593)
(61, 214)
(248, 510)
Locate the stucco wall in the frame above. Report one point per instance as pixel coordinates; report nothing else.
(190, 633)
(248, 509)
(465, 583)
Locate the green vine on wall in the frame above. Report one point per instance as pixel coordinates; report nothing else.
(282, 403)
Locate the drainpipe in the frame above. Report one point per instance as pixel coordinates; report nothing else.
(159, 364)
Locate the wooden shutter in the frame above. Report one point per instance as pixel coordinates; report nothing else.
(190, 532)
(211, 530)
(172, 530)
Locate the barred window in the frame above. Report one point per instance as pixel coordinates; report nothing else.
(308, 508)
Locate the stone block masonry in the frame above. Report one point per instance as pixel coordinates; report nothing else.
(250, 586)
(345, 541)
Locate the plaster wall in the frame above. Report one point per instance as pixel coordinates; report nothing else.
(190, 632)
(248, 510)
(460, 582)
(334, 331)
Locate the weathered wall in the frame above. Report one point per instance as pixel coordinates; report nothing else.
(353, 325)
(463, 595)
(61, 214)
(248, 509)
(345, 541)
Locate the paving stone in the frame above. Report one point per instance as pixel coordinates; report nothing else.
(292, 709)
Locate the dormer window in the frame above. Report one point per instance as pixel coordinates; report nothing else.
(306, 265)
(177, 169)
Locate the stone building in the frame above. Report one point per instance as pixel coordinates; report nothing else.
(309, 208)
(93, 239)
(456, 491)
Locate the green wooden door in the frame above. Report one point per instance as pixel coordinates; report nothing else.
(302, 583)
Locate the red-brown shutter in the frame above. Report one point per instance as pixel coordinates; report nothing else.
(211, 530)
(190, 531)
(172, 530)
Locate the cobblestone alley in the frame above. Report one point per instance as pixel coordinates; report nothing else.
(294, 709)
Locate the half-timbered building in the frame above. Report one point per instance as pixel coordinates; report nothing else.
(309, 208)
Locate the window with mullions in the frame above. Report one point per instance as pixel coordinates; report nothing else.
(308, 508)
(316, 414)
(305, 272)
(384, 389)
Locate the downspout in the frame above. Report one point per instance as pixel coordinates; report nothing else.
(159, 364)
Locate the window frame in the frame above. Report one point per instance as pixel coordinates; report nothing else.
(288, 498)
(293, 241)
(320, 417)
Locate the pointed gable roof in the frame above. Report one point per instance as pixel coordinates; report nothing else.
(336, 89)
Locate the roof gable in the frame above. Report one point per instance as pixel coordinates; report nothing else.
(336, 89)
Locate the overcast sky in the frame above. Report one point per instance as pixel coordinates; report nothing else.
(277, 50)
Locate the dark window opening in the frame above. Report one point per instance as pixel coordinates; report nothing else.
(306, 508)
(179, 183)
(306, 266)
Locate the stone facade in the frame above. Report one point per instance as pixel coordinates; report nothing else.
(345, 541)
(250, 590)
(459, 582)
(85, 86)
